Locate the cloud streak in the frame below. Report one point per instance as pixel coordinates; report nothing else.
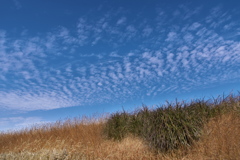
(18, 123)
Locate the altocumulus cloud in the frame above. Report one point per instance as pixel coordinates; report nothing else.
(111, 59)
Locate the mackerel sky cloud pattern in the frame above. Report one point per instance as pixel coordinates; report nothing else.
(115, 54)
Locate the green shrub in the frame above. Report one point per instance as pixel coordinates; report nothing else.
(117, 126)
(170, 126)
(138, 121)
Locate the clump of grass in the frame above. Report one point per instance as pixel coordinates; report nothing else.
(117, 125)
(170, 126)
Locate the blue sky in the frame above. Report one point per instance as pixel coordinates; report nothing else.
(64, 58)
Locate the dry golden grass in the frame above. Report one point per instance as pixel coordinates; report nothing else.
(75, 139)
(220, 140)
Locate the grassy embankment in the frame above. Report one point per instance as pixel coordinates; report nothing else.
(197, 130)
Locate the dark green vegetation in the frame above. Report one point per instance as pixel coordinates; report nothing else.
(170, 126)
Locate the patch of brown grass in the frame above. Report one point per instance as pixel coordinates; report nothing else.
(221, 139)
(60, 135)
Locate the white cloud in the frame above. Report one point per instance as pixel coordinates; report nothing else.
(131, 29)
(171, 36)
(114, 54)
(194, 26)
(18, 123)
(121, 21)
(147, 31)
(83, 31)
(229, 26)
(146, 55)
(188, 37)
(31, 101)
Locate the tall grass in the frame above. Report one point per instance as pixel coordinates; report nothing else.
(196, 130)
